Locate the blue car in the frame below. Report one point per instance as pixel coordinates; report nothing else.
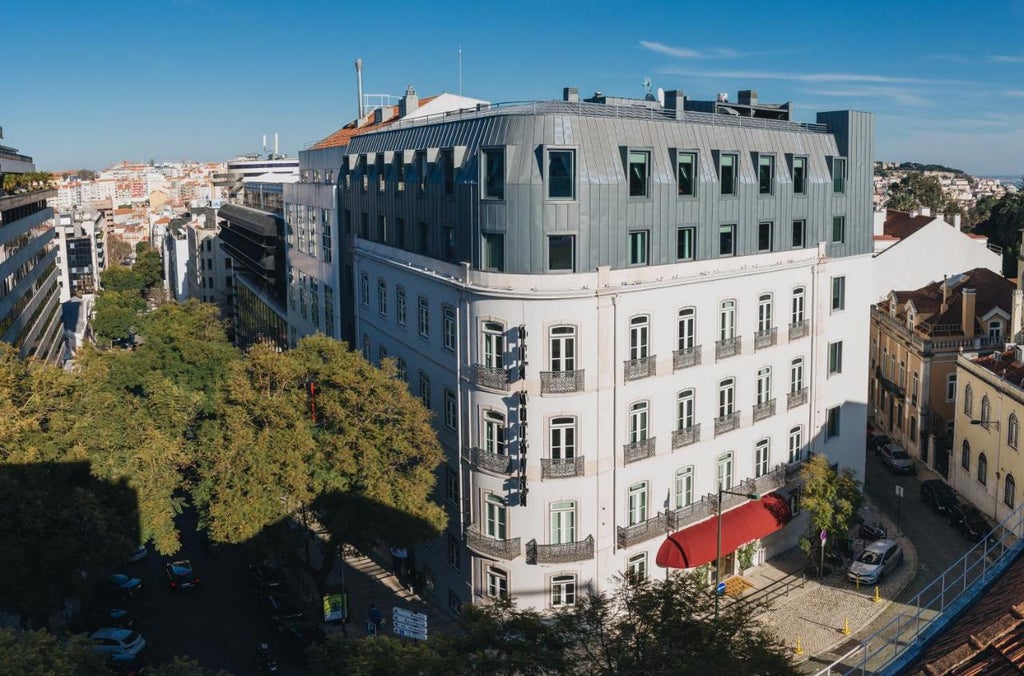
(122, 586)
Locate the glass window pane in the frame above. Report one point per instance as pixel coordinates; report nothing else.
(561, 252)
(561, 178)
(686, 164)
(638, 172)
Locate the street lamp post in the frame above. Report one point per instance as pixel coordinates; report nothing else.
(718, 548)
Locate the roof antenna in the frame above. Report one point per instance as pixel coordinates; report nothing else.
(460, 69)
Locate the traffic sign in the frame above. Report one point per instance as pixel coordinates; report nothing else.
(720, 588)
(899, 491)
(409, 624)
(371, 628)
(824, 535)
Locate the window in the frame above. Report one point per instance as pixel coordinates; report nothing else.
(382, 354)
(421, 169)
(638, 247)
(913, 428)
(563, 591)
(493, 173)
(636, 567)
(496, 522)
(497, 583)
(448, 170)
(494, 433)
(835, 357)
(452, 486)
(796, 375)
(400, 306)
(838, 229)
(838, 293)
(639, 172)
(986, 410)
(727, 320)
(725, 471)
(451, 411)
(449, 242)
(1009, 491)
(453, 554)
(726, 240)
(399, 172)
(832, 423)
(563, 438)
(561, 174)
(423, 317)
(684, 487)
(380, 170)
(563, 522)
(366, 347)
(765, 174)
(914, 383)
(764, 312)
(951, 387)
(494, 345)
(403, 369)
(448, 327)
(838, 175)
(494, 251)
(563, 348)
(638, 503)
(995, 328)
(727, 173)
(687, 329)
(423, 230)
(364, 172)
(968, 401)
(764, 385)
(799, 175)
(684, 409)
(686, 164)
(796, 442)
(364, 289)
(1012, 431)
(797, 314)
(638, 333)
(685, 243)
(382, 298)
(799, 234)
(764, 236)
(899, 416)
(965, 455)
(761, 461)
(726, 397)
(562, 252)
(982, 469)
(638, 422)
(425, 390)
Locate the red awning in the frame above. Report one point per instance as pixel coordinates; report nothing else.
(695, 545)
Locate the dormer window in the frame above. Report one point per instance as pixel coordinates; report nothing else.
(892, 309)
(910, 319)
(995, 329)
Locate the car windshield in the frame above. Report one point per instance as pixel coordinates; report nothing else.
(869, 557)
(132, 637)
(900, 455)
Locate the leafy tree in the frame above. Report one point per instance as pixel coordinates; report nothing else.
(916, 190)
(118, 250)
(120, 278)
(86, 175)
(1005, 219)
(832, 498)
(39, 652)
(183, 666)
(116, 315)
(148, 266)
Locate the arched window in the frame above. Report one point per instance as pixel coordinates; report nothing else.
(1010, 491)
(965, 455)
(1012, 431)
(986, 410)
(687, 328)
(968, 401)
(982, 469)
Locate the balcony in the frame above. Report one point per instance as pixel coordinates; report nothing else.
(889, 385)
(487, 461)
(730, 347)
(766, 409)
(657, 526)
(481, 544)
(638, 450)
(766, 338)
(492, 377)
(727, 423)
(792, 470)
(560, 553)
(685, 358)
(691, 514)
(686, 436)
(797, 398)
(561, 382)
(635, 369)
(799, 329)
(561, 468)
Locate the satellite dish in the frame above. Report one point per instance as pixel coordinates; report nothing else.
(661, 97)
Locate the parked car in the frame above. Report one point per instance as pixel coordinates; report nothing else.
(181, 575)
(91, 620)
(938, 495)
(138, 554)
(969, 521)
(878, 559)
(121, 586)
(117, 644)
(281, 608)
(897, 459)
(266, 575)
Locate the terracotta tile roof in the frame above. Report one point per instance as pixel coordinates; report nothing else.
(901, 224)
(991, 291)
(342, 136)
(1003, 365)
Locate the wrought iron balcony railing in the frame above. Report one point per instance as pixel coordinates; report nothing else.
(692, 513)
(561, 382)
(654, 527)
(493, 547)
(566, 552)
(727, 423)
(480, 458)
(561, 468)
(686, 357)
(492, 377)
(638, 450)
(766, 338)
(642, 367)
(765, 409)
(730, 347)
(797, 398)
(686, 436)
(799, 329)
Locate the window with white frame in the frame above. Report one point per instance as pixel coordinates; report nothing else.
(838, 293)
(686, 243)
(838, 174)
(638, 422)
(493, 171)
(764, 312)
(685, 409)
(796, 442)
(727, 166)
(454, 558)
(995, 329)
(725, 471)
(563, 522)
(400, 306)
(838, 229)
(835, 357)
(797, 314)
(684, 487)
(637, 503)
(424, 317)
(799, 175)
(382, 354)
(364, 289)
(965, 455)
(982, 469)
(638, 253)
(761, 457)
(832, 420)
(726, 397)
(494, 345)
(562, 341)
(497, 583)
(382, 297)
(448, 327)
(636, 567)
(914, 385)
(451, 411)
(950, 387)
(494, 433)
(561, 177)
(903, 374)
(639, 172)
(727, 320)
(764, 385)
(796, 375)
(402, 368)
(968, 400)
(727, 239)
(496, 516)
(686, 164)
(687, 333)
(452, 486)
(765, 174)
(986, 410)
(639, 328)
(563, 438)
(563, 591)
(1012, 431)
(425, 390)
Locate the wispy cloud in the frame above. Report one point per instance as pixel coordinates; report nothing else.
(1014, 93)
(1003, 58)
(892, 94)
(688, 53)
(808, 77)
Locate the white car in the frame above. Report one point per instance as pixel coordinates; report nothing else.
(117, 644)
(875, 561)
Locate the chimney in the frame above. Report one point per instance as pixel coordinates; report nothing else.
(956, 221)
(748, 97)
(967, 304)
(1016, 314)
(359, 89)
(676, 100)
(571, 94)
(945, 295)
(879, 222)
(409, 103)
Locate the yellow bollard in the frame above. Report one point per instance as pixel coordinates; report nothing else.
(846, 627)
(799, 649)
(877, 597)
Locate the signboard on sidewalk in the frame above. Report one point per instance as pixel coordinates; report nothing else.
(409, 624)
(335, 607)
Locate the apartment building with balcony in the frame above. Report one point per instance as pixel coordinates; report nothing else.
(612, 307)
(916, 338)
(82, 241)
(30, 318)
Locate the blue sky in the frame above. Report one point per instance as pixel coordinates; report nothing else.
(205, 79)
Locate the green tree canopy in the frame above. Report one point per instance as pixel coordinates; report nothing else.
(832, 498)
(1002, 226)
(39, 652)
(916, 190)
(116, 315)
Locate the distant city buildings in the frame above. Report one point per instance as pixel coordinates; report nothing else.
(82, 240)
(963, 189)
